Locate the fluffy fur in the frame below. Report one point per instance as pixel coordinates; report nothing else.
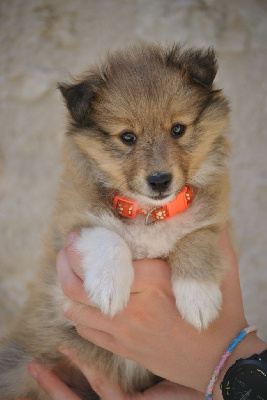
(145, 90)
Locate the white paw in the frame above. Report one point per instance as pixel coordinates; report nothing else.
(107, 266)
(198, 302)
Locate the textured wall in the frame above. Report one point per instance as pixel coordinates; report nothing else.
(42, 40)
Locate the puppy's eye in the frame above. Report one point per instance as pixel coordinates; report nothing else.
(128, 137)
(178, 130)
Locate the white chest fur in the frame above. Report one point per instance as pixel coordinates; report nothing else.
(157, 239)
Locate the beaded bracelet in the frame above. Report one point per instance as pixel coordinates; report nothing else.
(224, 358)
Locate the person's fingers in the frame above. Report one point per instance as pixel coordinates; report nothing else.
(80, 314)
(71, 283)
(146, 271)
(109, 390)
(149, 272)
(73, 256)
(104, 340)
(50, 382)
(104, 387)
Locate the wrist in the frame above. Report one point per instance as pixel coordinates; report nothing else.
(250, 345)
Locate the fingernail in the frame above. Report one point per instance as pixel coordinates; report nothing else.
(35, 369)
(72, 237)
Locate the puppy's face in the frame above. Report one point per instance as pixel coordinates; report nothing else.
(147, 120)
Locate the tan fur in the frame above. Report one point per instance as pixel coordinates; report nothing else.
(146, 90)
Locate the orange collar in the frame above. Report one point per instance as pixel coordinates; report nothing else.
(129, 208)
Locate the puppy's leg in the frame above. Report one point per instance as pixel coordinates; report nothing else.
(15, 380)
(107, 266)
(197, 270)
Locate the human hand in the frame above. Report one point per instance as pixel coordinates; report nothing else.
(106, 389)
(151, 294)
(150, 330)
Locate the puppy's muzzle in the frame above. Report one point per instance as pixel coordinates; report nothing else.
(159, 181)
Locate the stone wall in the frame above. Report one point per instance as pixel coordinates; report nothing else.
(42, 41)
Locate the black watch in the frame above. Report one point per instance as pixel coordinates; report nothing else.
(246, 379)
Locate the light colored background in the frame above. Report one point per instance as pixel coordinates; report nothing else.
(43, 40)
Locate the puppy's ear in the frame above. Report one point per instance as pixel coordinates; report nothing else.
(197, 65)
(201, 65)
(79, 98)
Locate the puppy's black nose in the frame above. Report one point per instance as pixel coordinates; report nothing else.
(159, 181)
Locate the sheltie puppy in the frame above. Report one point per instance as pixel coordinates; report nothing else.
(145, 156)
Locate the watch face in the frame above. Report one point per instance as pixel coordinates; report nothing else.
(245, 382)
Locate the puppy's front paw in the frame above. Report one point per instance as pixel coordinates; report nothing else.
(108, 271)
(198, 302)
